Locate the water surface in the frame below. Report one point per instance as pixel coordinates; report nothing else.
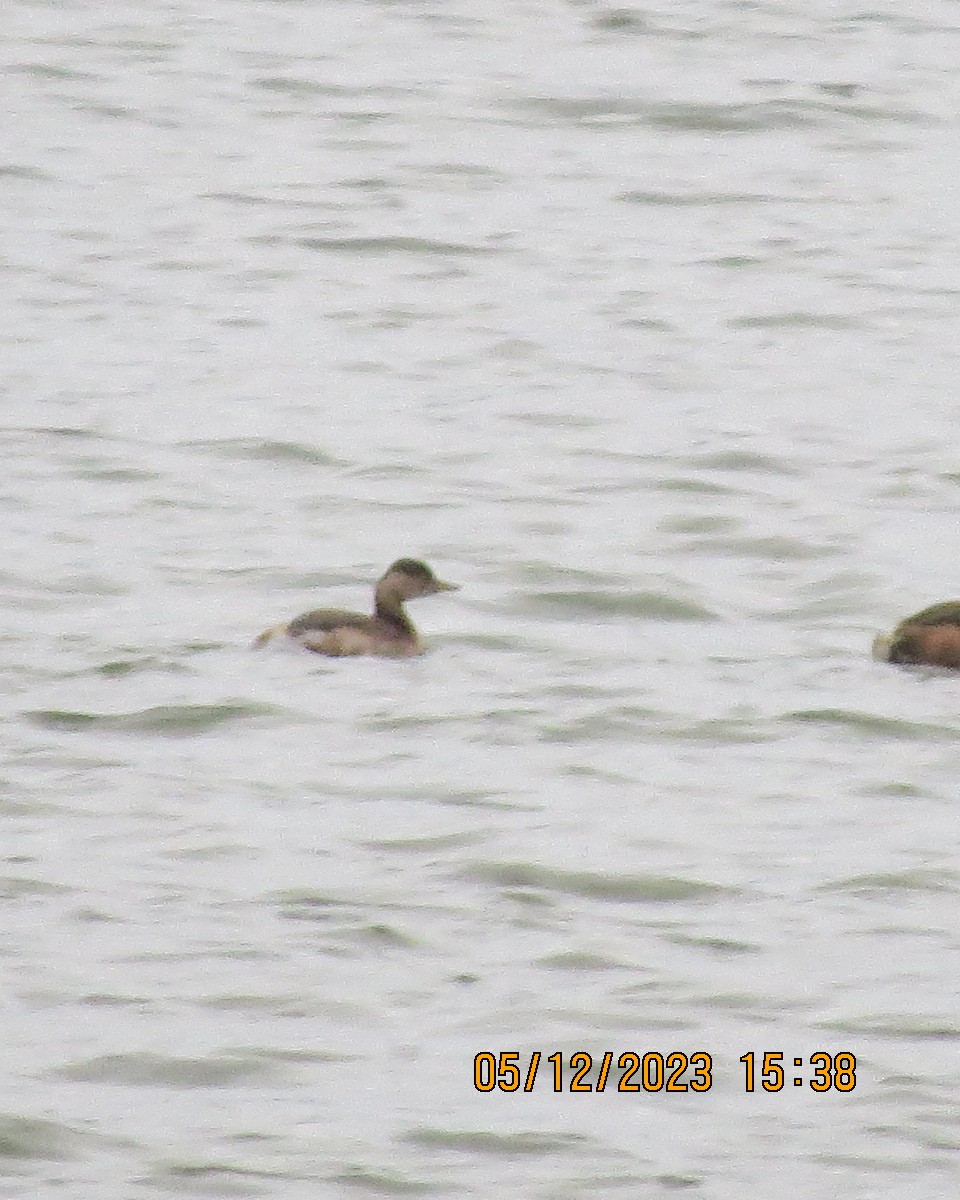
(640, 324)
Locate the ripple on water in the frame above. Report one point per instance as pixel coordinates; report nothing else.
(504, 1145)
(880, 883)
(384, 1183)
(719, 730)
(754, 116)
(898, 1025)
(650, 606)
(799, 320)
(78, 584)
(650, 889)
(725, 947)
(161, 1070)
(701, 199)
(871, 724)
(216, 1179)
(28, 1138)
(119, 668)
(580, 960)
(694, 487)
(775, 548)
(105, 470)
(428, 844)
(266, 450)
(392, 245)
(171, 720)
(345, 930)
(617, 109)
(16, 887)
(607, 725)
(743, 460)
(297, 86)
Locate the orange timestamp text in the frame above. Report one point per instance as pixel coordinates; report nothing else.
(656, 1071)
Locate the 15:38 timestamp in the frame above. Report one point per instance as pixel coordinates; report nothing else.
(829, 1071)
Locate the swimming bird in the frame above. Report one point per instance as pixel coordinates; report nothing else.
(931, 636)
(388, 632)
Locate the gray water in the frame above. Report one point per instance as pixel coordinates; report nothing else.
(641, 324)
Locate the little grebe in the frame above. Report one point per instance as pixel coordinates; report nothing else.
(931, 637)
(389, 631)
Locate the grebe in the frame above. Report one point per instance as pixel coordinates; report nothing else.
(931, 636)
(388, 632)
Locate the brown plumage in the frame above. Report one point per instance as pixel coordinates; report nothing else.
(930, 637)
(389, 632)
